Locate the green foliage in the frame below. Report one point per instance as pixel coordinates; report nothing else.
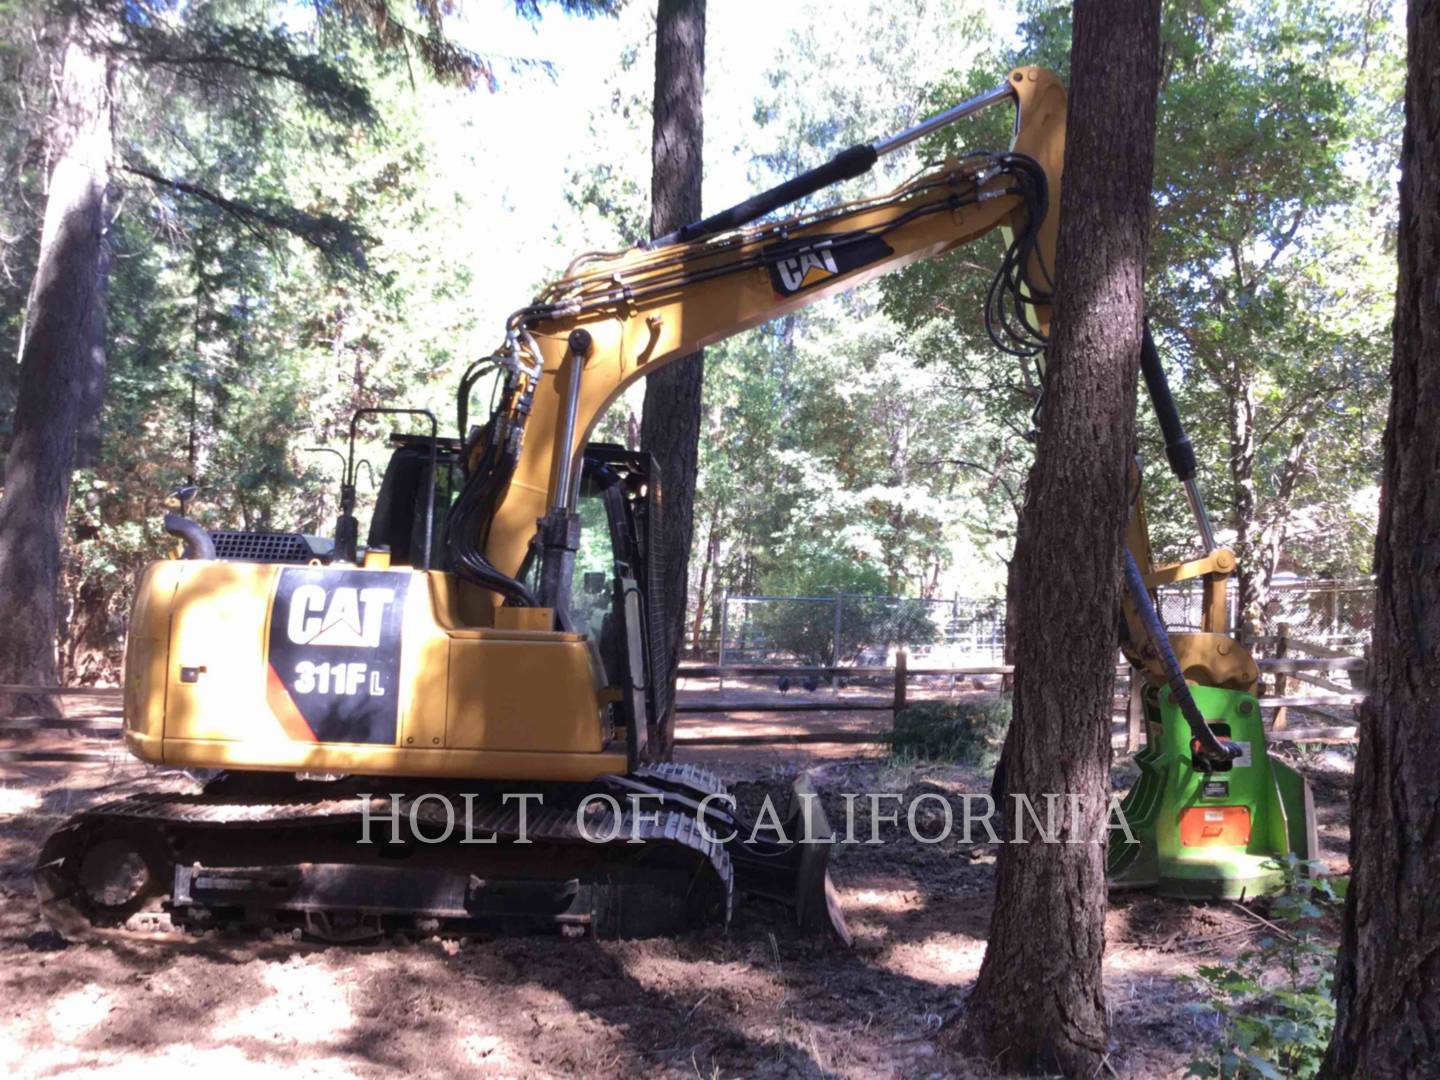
(966, 731)
(234, 344)
(1270, 275)
(1275, 1003)
(821, 569)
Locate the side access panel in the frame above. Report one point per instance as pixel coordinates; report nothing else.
(345, 669)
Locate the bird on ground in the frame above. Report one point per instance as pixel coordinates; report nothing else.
(783, 683)
(811, 683)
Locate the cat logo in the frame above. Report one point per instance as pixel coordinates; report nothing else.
(807, 267)
(335, 638)
(799, 265)
(346, 617)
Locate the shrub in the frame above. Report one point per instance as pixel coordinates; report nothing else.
(1275, 1002)
(968, 731)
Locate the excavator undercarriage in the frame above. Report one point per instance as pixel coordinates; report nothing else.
(655, 852)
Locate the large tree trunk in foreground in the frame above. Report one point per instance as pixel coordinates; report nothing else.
(1039, 1002)
(670, 426)
(59, 326)
(1388, 979)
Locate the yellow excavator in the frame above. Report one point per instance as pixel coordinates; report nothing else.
(459, 728)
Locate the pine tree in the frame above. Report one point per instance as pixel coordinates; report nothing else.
(1039, 1002)
(670, 422)
(1388, 978)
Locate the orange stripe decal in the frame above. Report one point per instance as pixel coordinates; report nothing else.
(283, 706)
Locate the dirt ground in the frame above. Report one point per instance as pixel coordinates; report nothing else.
(751, 1000)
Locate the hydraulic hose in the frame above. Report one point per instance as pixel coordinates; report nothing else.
(856, 161)
(1178, 449)
(1209, 748)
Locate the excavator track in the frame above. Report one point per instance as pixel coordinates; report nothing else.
(260, 853)
(440, 861)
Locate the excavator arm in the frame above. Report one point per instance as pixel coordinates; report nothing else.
(614, 319)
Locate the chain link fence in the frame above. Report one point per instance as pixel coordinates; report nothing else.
(865, 631)
(1336, 615)
(862, 631)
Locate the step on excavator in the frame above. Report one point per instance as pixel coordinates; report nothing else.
(460, 726)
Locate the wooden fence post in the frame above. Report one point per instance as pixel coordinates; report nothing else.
(1135, 718)
(724, 629)
(1282, 682)
(902, 665)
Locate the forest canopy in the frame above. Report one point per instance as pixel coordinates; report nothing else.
(352, 232)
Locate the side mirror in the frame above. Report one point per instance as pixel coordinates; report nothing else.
(595, 582)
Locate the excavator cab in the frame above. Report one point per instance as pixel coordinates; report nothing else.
(397, 525)
(614, 590)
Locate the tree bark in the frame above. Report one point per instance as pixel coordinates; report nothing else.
(712, 556)
(670, 424)
(1039, 1001)
(89, 430)
(1388, 977)
(1012, 617)
(1248, 601)
(60, 322)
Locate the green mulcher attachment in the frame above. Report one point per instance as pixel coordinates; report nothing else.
(1212, 815)
(1204, 830)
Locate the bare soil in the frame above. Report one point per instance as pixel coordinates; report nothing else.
(751, 1000)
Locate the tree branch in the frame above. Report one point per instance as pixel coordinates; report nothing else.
(269, 54)
(336, 239)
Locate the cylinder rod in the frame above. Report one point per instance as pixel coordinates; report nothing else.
(1202, 519)
(856, 161)
(1177, 444)
(564, 463)
(979, 103)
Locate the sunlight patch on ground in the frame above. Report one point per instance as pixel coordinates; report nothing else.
(487, 1051)
(229, 1062)
(1127, 962)
(942, 959)
(18, 801)
(305, 1004)
(80, 1011)
(676, 975)
(857, 901)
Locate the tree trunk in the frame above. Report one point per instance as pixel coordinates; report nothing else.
(60, 321)
(1388, 978)
(670, 425)
(1012, 614)
(712, 555)
(92, 377)
(1242, 495)
(1039, 1001)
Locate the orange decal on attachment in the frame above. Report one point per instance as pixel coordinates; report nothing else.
(1201, 826)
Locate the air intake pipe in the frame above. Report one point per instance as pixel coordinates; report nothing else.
(198, 544)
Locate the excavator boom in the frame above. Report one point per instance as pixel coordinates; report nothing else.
(646, 307)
